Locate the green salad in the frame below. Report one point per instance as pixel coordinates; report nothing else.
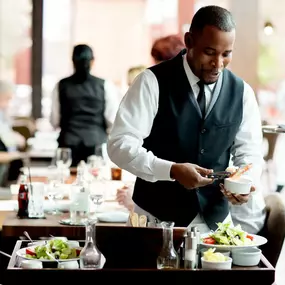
(57, 248)
(228, 235)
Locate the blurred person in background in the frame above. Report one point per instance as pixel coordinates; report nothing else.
(10, 140)
(166, 48)
(83, 107)
(133, 72)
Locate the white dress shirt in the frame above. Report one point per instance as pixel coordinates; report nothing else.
(111, 105)
(134, 122)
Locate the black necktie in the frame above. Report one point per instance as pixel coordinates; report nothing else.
(201, 99)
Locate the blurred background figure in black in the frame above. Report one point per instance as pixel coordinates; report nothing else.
(83, 107)
(10, 140)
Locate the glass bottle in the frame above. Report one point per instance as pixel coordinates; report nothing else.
(79, 198)
(168, 257)
(23, 198)
(90, 255)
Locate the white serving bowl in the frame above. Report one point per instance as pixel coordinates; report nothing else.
(246, 256)
(216, 264)
(31, 264)
(238, 186)
(68, 265)
(36, 243)
(64, 239)
(73, 243)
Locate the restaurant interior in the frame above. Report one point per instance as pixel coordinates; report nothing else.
(37, 40)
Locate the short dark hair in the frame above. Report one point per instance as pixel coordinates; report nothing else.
(81, 57)
(215, 16)
(82, 52)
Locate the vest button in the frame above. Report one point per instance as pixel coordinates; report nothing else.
(202, 151)
(203, 131)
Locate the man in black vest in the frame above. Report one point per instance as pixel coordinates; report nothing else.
(183, 118)
(84, 107)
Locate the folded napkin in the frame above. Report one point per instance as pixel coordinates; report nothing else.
(5, 194)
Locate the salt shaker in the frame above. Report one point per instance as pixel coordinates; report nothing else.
(197, 235)
(190, 251)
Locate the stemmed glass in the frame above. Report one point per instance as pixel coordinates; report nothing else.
(63, 161)
(101, 150)
(97, 195)
(95, 165)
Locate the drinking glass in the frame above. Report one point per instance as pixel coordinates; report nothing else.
(36, 199)
(95, 165)
(63, 160)
(54, 188)
(101, 150)
(97, 191)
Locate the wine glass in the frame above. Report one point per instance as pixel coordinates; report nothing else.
(101, 151)
(96, 194)
(63, 160)
(95, 165)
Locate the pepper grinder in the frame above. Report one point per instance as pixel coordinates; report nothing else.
(182, 251)
(190, 251)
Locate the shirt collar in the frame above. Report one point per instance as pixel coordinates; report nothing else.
(192, 78)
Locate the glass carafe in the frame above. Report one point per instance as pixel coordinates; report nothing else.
(79, 198)
(90, 255)
(168, 257)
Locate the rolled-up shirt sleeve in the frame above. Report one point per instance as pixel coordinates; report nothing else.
(132, 125)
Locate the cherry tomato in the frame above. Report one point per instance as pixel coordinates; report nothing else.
(250, 237)
(209, 240)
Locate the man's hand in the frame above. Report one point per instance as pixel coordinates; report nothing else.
(236, 199)
(190, 175)
(124, 197)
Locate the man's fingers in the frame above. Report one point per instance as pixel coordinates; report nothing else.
(242, 198)
(234, 199)
(203, 171)
(252, 189)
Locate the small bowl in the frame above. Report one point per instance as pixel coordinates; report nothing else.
(224, 252)
(36, 243)
(247, 256)
(239, 186)
(68, 265)
(73, 244)
(64, 239)
(31, 264)
(216, 264)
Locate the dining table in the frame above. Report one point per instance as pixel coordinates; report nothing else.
(13, 227)
(40, 228)
(273, 129)
(131, 254)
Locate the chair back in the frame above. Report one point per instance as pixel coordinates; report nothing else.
(275, 227)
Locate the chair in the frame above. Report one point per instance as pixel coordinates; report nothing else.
(274, 229)
(269, 169)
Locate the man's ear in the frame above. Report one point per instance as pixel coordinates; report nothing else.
(188, 39)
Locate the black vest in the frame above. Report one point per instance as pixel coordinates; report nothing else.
(180, 135)
(82, 105)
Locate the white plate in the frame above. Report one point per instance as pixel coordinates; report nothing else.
(22, 253)
(113, 217)
(257, 241)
